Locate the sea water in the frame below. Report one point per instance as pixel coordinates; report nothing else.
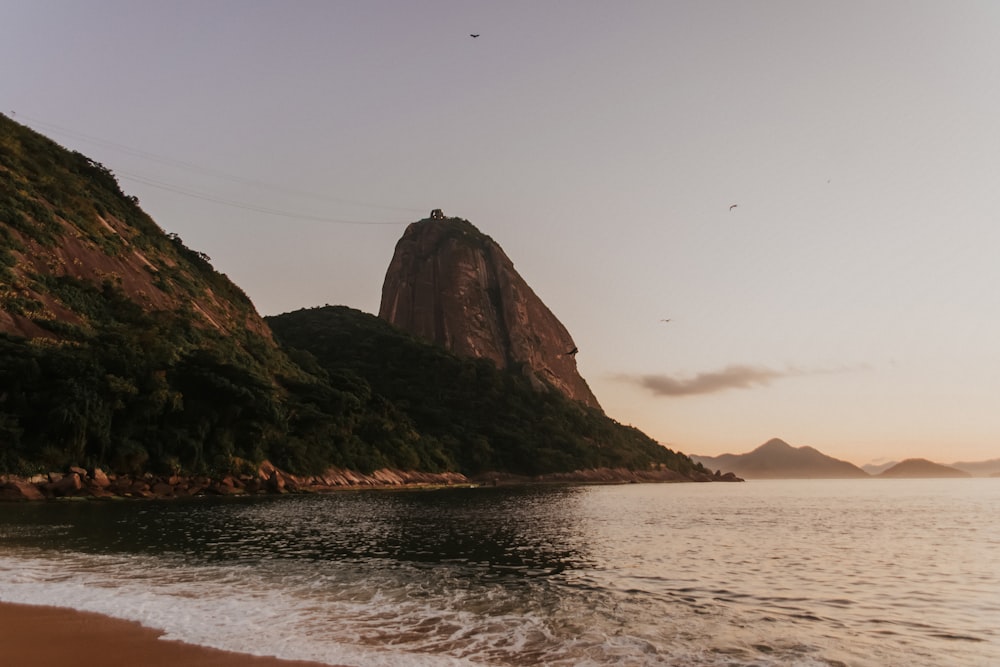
(833, 572)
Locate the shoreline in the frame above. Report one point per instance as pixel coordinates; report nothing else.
(96, 484)
(56, 636)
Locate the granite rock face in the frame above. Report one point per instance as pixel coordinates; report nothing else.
(451, 284)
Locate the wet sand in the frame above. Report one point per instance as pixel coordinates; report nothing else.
(55, 637)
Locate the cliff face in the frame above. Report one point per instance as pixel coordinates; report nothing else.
(451, 284)
(68, 236)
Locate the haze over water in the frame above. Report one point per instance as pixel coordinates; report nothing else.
(835, 572)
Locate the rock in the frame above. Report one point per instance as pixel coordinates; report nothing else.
(100, 479)
(275, 483)
(221, 489)
(139, 488)
(99, 493)
(451, 284)
(162, 490)
(387, 478)
(20, 490)
(79, 471)
(68, 485)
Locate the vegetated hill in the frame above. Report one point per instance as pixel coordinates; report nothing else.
(922, 468)
(120, 346)
(451, 284)
(123, 349)
(776, 459)
(70, 241)
(463, 413)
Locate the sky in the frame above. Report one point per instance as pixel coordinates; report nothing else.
(849, 300)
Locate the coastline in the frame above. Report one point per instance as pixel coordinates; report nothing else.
(95, 484)
(56, 636)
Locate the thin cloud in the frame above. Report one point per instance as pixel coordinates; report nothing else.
(735, 376)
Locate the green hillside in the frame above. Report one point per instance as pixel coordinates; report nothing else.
(121, 348)
(469, 416)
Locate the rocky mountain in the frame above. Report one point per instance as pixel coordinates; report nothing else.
(125, 354)
(451, 284)
(776, 459)
(922, 468)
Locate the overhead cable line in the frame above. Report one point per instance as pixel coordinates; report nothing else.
(177, 189)
(188, 166)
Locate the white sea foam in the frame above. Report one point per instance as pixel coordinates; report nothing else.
(224, 607)
(758, 575)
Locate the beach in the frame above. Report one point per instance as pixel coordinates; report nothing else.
(53, 637)
(796, 573)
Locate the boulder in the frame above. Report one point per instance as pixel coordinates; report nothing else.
(162, 490)
(68, 485)
(20, 490)
(100, 479)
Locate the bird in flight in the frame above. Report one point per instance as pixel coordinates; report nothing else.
(667, 320)
(732, 206)
(474, 36)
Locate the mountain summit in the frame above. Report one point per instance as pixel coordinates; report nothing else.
(127, 359)
(451, 284)
(777, 459)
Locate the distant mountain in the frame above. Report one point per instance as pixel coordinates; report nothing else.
(922, 468)
(878, 468)
(990, 468)
(776, 459)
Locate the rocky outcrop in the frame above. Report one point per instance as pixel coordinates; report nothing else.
(451, 284)
(604, 476)
(269, 479)
(95, 484)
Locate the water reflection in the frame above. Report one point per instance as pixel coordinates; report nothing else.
(527, 531)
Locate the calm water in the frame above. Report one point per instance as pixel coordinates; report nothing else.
(867, 572)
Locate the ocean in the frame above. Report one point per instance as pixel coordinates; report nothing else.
(791, 572)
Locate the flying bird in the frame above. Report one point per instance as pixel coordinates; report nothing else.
(667, 320)
(474, 36)
(733, 206)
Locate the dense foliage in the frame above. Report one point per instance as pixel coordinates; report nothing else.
(108, 380)
(468, 414)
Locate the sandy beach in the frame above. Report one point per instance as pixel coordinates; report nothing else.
(54, 637)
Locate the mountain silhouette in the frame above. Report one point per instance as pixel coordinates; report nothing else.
(776, 459)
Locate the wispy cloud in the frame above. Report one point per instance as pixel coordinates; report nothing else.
(735, 376)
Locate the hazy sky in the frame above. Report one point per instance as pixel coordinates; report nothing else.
(850, 301)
